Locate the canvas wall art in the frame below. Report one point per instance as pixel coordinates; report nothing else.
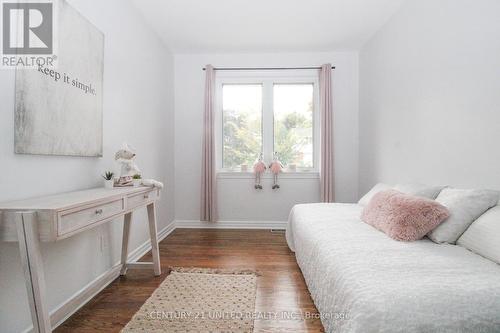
(59, 110)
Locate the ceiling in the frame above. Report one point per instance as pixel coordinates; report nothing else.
(206, 26)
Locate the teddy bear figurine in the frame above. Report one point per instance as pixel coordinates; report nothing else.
(259, 168)
(276, 168)
(126, 157)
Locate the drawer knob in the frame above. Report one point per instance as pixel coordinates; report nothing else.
(98, 211)
(146, 196)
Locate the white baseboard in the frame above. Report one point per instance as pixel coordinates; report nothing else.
(192, 224)
(146, 247)
(80, 298)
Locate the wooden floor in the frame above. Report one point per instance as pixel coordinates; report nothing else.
(280, 288)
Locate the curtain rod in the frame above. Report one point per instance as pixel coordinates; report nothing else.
(262, 68)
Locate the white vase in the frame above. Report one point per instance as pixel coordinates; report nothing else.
(109, 183)
(136, 182)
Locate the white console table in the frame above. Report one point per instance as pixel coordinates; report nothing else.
(56, 217)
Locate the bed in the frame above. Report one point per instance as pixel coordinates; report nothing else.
(363, 281)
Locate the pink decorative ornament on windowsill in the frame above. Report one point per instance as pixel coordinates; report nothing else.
(259, 168)
(276, 168)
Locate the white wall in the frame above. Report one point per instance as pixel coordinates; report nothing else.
(237, 198)
(429, 96)
(138, 108)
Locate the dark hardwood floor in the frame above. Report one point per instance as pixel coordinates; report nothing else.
(280, 287)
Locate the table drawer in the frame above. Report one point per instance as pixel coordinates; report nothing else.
(73, 220)
(141, 199)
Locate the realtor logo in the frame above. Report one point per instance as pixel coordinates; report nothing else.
(27, 28)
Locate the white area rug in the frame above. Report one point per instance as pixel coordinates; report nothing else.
(199, 300)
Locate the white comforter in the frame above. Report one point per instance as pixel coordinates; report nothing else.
(363, 281)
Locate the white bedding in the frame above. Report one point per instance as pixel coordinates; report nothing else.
(382, 285)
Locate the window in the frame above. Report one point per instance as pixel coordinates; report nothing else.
(266, 115)
(242, 124)
(293, 124)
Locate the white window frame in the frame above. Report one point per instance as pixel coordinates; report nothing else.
(267, 79)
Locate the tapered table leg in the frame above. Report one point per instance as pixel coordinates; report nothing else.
(125, 240)
(31, 260)
(154, 238)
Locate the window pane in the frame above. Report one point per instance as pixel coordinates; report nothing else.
(293, 124)
(242, 124)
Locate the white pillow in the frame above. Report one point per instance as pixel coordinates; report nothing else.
(465, 206)
(375, 189)
(419, 190)
(483, 236)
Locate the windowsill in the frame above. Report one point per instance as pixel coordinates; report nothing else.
(267, 175)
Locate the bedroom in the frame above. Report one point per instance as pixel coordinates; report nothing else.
(414, 98)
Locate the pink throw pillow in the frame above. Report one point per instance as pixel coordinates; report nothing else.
(402, 216)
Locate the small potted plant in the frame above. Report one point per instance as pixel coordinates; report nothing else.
(136, 180)
(109, 181)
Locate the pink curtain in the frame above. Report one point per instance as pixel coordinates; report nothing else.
(326, 169)
(208, 176)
